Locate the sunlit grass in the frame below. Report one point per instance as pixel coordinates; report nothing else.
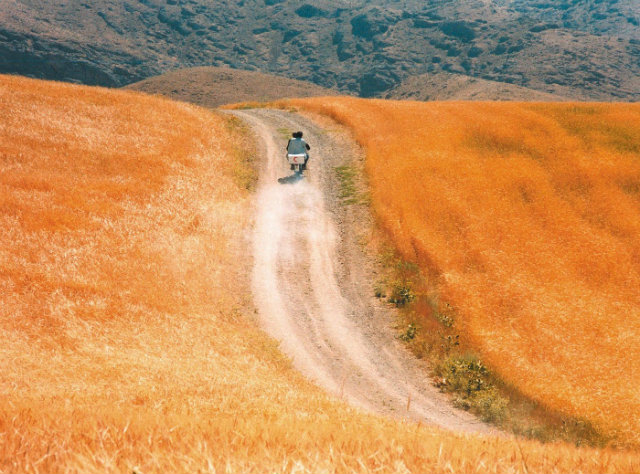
(128, 341)
(529, 214)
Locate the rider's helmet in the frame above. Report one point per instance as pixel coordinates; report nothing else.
(297, 134)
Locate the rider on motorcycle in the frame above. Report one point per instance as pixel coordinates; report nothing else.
(297, 146)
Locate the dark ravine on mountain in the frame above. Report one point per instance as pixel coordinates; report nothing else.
(575, 48)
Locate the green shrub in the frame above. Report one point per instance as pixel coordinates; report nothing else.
(401, 294)
(470, 380)
(410, 333)
(449, 342)
(443, 318)
(491, 406)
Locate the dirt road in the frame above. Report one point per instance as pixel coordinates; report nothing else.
(313, 283)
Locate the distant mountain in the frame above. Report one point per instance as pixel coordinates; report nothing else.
(212, 86)
(447, 86)
(365, 47)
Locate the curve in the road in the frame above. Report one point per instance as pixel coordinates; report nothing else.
(311, 291)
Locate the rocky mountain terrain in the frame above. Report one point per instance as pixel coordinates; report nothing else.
(215, 86)
(361, 47)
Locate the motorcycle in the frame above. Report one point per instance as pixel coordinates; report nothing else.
(297, 162)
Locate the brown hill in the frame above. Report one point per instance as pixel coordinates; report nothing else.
(446, 86)
(215, 86)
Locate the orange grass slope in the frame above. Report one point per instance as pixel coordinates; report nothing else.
(123, 292)
(530, 215)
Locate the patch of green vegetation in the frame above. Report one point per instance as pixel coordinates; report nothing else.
(402, 292)
(379, 290)
(449, 343)
(284, 132)
(401, 295)
(348, 175)
(247, 106)
(443, 315)
(245, 173)
(471, 382)
(410, 333)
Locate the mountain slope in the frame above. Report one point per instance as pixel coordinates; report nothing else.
(211, 87)
(364, 48)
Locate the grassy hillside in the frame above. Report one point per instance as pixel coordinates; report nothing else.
(526, 218)
(127, 346)
(213, 86)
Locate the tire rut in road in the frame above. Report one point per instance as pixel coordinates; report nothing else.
(312, 284)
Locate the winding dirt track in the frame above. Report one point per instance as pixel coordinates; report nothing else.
(312, 283)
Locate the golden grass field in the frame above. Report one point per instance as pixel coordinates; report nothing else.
(529, 216)
(128, 342)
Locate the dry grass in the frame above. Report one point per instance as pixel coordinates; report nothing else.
(126, 347)
(529, 216)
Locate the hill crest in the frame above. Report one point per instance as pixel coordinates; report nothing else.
(215, 86)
